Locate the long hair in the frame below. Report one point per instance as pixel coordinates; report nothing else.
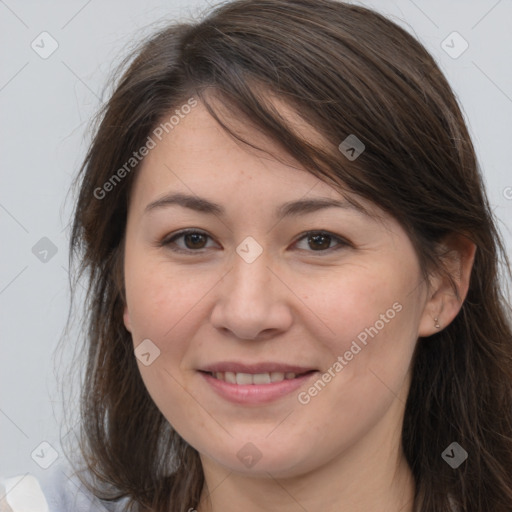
(346, 70)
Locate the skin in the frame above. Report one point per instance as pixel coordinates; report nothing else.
(292, 304)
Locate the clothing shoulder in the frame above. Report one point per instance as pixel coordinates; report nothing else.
(58, 489)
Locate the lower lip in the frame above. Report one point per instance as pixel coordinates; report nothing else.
(255, 393)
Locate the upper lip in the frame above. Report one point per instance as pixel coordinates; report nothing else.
(264, 367)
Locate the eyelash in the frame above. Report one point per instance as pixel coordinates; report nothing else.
(169, 241)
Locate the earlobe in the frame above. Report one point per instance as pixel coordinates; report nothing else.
(127, 320)
(449, 286)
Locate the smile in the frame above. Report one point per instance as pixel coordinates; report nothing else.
(248, 389)
(256, 378)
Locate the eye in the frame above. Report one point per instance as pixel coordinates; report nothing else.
(194, 240)
(320, 241)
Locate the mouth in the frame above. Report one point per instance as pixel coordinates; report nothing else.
(255, 384)
(244, 379)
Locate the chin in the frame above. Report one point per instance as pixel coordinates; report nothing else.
(261, 459)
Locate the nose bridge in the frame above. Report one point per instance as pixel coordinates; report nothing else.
(250, 279)
(250, 274)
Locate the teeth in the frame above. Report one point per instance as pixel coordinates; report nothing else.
(244, 378)
(256, 378)
(261, 378)
(228, 377)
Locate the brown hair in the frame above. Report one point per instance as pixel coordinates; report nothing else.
(345, 70)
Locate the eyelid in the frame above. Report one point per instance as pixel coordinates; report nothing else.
(168, 240)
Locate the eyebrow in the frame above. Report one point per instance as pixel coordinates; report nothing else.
(291, 208)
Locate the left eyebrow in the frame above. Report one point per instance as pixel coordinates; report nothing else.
(291, 208)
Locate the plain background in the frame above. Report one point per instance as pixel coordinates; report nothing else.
(45, 107)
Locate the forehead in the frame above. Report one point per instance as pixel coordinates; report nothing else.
(200, 155)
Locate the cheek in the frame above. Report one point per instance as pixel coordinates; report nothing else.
(367, 359)
(361, 304)
(161, 297)
(166, 306)
(163, 305)
(370, 317)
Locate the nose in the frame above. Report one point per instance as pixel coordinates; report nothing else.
(251, 302)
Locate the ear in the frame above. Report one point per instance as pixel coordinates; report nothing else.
(127, 320)
(457, 255)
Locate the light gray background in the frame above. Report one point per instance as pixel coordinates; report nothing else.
(45, 107)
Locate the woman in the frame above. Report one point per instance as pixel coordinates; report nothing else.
(294, 300)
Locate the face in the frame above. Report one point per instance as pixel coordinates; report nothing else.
(266, 347)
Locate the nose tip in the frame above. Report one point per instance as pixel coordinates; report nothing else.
(245, 335)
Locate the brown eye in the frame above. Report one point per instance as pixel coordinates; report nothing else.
(193, 240)
(320, 241)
